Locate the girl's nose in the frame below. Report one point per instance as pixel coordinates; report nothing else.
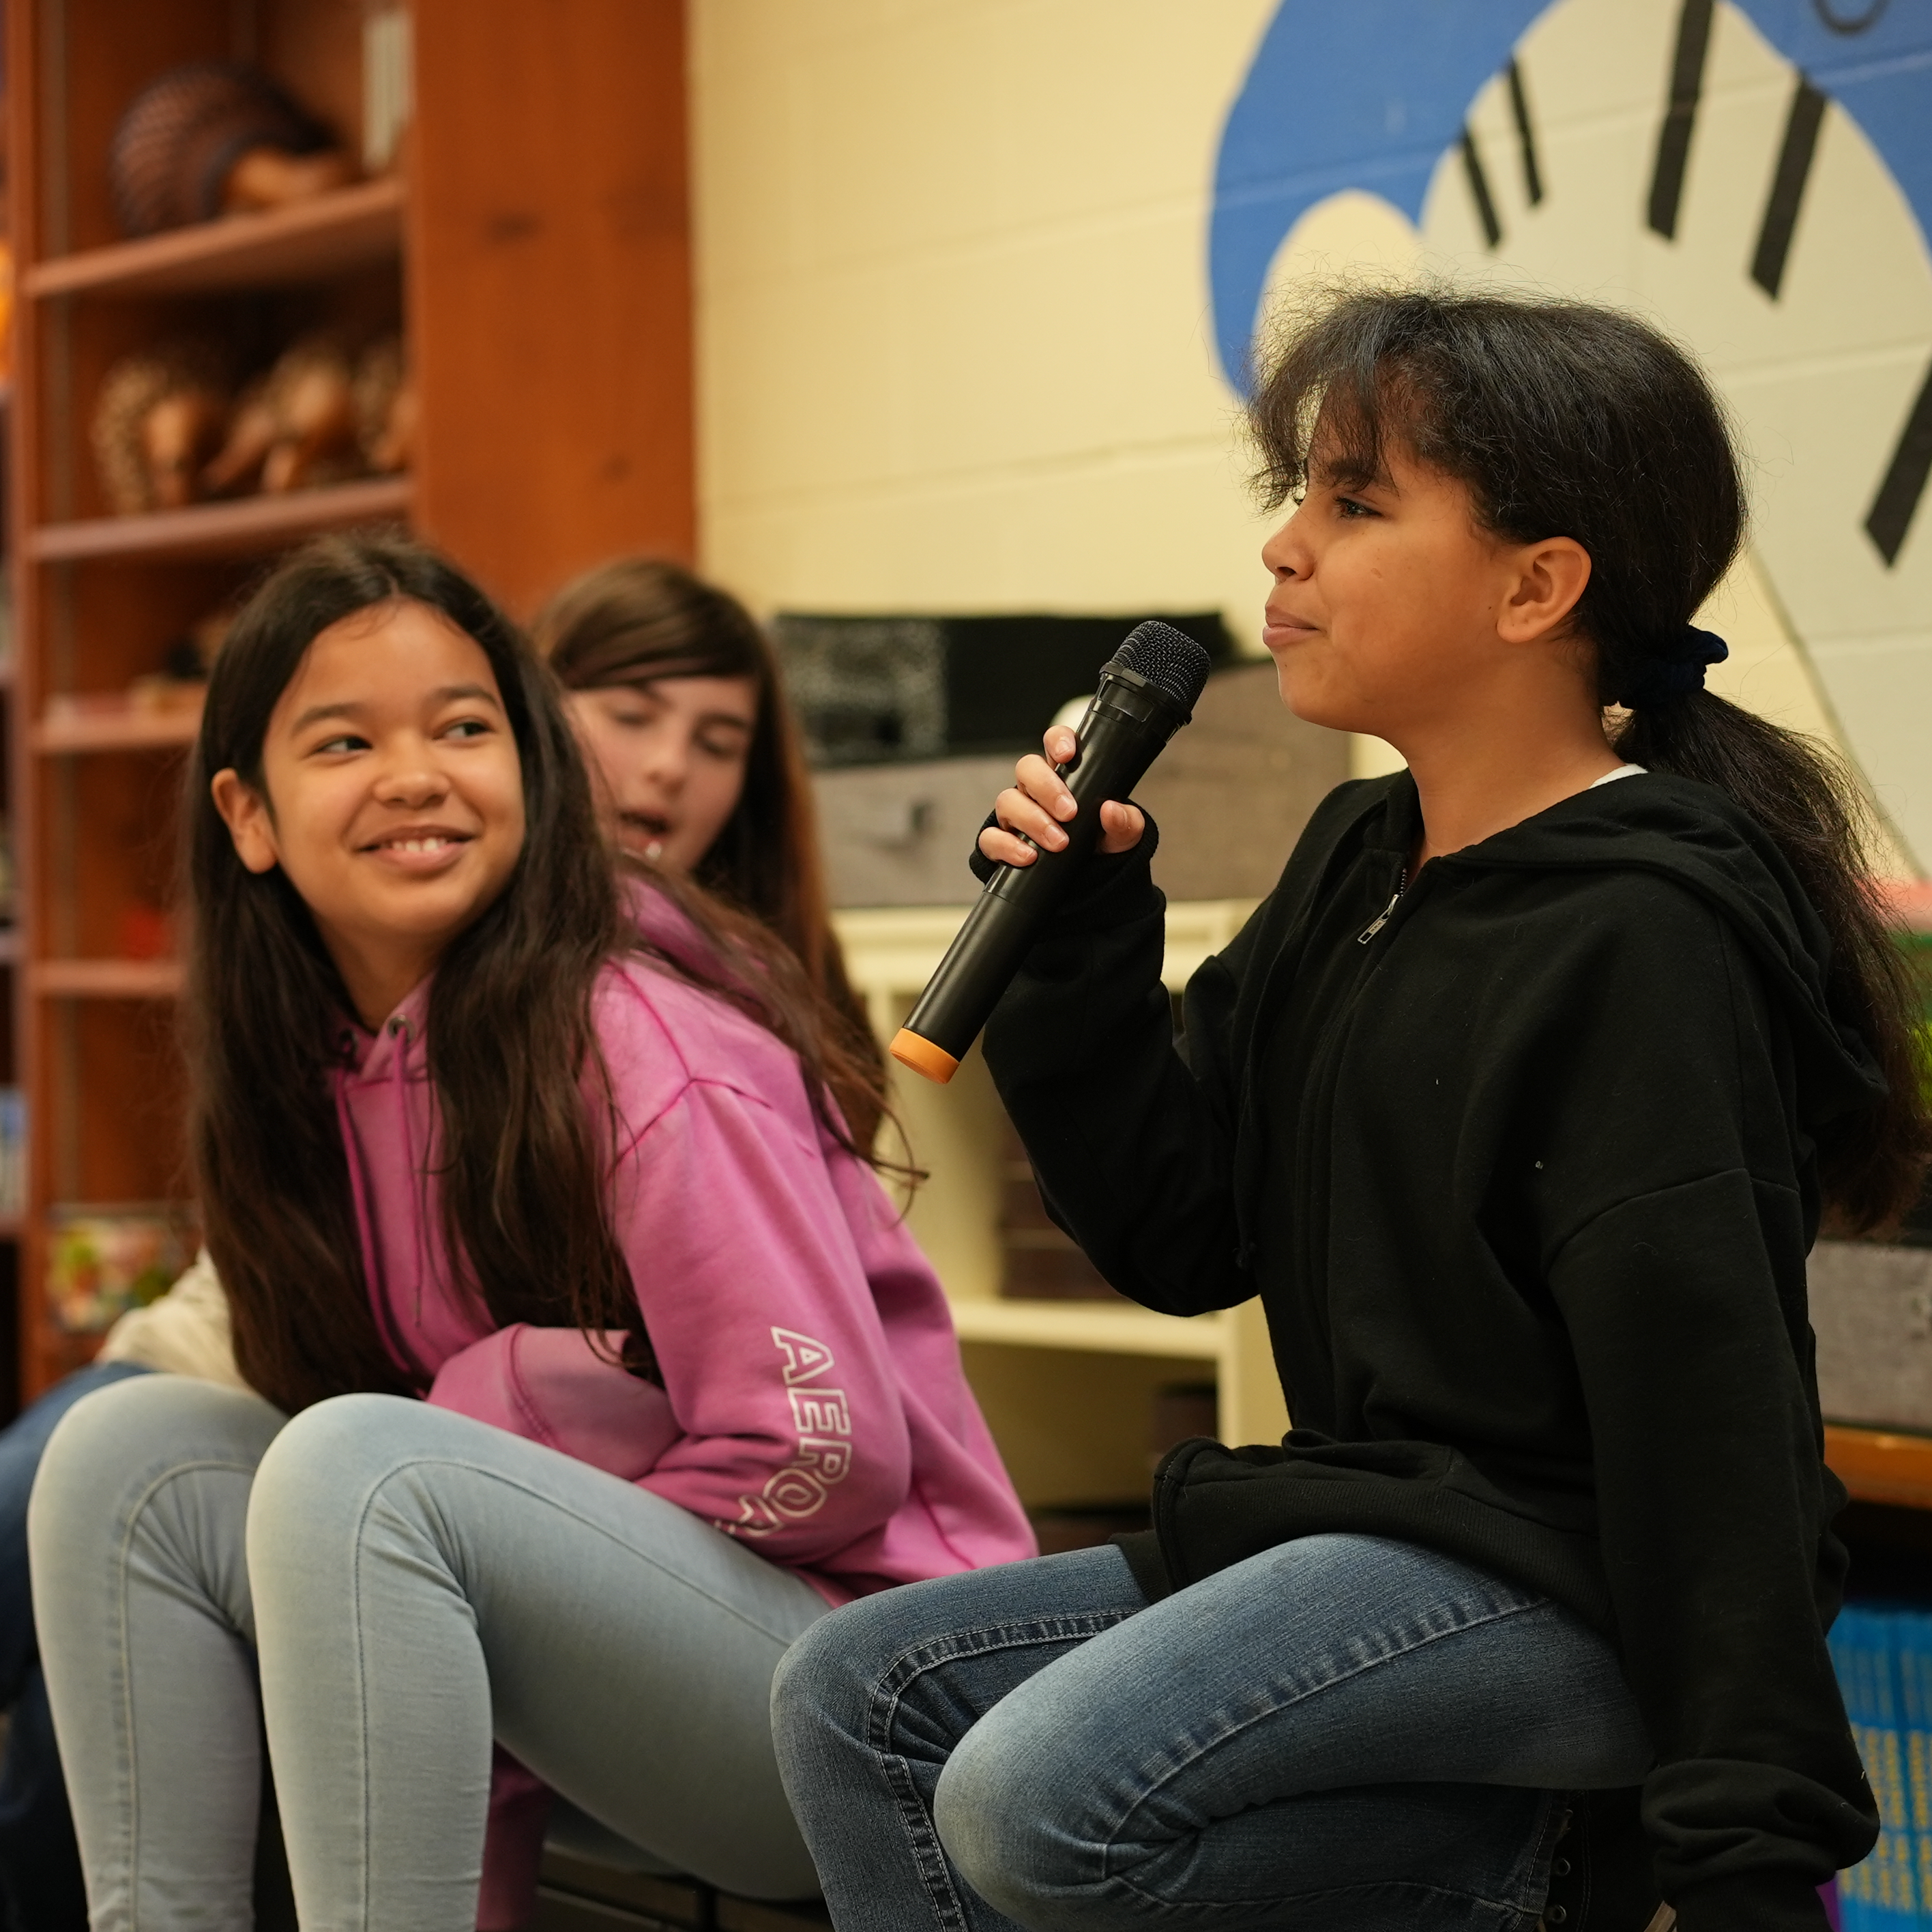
(411, 781)
(668, 763)
(1285, 552)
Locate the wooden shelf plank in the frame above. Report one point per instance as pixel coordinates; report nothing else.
(891, 951)
(127, 727)
(310, 241)
(224, 529)
(1103, 1327)
(105, 978)
(1878, 1466)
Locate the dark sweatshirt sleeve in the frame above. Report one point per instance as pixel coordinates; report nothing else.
(1684, 1302)
(1131, 1141)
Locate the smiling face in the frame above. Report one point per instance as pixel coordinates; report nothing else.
(670, 760)
(392, 795)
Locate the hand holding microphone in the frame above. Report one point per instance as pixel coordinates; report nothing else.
(1147, 691)
(1031, 809)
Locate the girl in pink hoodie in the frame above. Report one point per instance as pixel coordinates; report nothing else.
(469, 1127)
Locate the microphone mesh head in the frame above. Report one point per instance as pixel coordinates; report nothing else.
(1170, 660)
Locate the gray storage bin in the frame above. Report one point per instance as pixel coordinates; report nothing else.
(1871, 1310)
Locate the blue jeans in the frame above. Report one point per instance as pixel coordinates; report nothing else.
(1342, 1732)
(391, 1586)
(40, 1870)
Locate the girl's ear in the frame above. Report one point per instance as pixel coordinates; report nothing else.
(251, 824)
(1551, 576)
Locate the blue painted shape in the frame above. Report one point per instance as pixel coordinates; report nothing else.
(1370, 94)
(1366, 96)
(1882, 78)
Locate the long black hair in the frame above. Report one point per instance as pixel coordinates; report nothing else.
(509, 1028)
(1564, 419)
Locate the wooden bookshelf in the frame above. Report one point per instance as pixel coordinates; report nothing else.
(245, 528)
(535, 251)
(335, 234)
(104, 979)
(116, 726)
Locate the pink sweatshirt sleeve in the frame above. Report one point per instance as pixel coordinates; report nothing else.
(793, 1433)
(549, 1385)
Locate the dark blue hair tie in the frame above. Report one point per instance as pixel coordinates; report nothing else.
(1674, 671)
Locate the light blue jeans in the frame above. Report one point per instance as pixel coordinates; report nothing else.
(1341, 1734)
(392, 1587)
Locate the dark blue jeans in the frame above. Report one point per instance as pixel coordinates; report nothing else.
(1343, 1734)
(41, 1888)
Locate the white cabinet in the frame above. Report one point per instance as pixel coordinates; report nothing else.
(1067, 1386)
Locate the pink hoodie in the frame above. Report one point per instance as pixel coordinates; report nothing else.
(813, 1402)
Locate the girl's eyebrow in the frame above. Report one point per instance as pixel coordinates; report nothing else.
(1352, 471)
(316, 713)
(447, 693)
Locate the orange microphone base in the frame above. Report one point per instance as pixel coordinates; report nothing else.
(913, 1050)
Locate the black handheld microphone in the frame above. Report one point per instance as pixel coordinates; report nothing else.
(1148, 691)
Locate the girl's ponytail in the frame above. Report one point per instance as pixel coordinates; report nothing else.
(1804, 796)
(1564, 419)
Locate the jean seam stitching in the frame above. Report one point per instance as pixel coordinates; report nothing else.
(370, 1500)
(131, 1811)
(902, 1671)
(1360, 1670)
(426, 1459)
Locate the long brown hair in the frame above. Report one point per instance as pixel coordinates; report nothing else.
(641, 620)
(1565, 418)
(522, 1159)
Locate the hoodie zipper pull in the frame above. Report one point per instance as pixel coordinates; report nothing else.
(1382, 918)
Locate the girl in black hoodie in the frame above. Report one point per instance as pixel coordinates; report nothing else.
(1518, 1102)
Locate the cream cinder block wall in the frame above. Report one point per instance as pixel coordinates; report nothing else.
(955, 346)
(954, 343)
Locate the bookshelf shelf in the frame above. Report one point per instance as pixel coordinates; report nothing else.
(116, 726)
(1878, 1466)
(241, 529)
(105, 978)
(1124, 1329)
(333, 234)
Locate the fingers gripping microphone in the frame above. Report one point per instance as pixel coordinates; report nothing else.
(1148, 691)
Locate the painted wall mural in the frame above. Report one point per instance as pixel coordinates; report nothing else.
(1755, 174)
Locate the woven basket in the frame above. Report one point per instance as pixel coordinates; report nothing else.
(183, 133)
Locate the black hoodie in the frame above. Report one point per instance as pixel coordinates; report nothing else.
(1522, 1164)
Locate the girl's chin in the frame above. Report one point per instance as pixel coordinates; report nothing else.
(1309, 699)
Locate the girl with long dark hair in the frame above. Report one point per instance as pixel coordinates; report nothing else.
(695, 763)
(1519, 1103)
(471, 1124)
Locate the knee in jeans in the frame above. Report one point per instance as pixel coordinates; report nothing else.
(997, 1825)
(132, 1431)
(824, 1675)
(319, 1470)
